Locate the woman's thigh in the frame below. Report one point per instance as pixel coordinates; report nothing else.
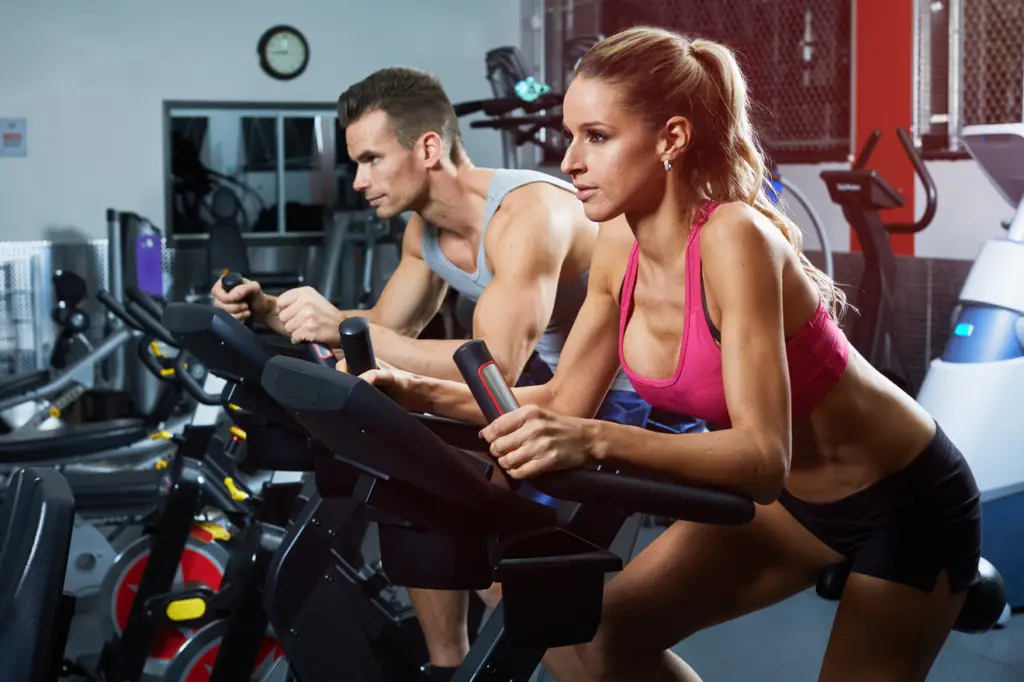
(694, 576)
(888, 632)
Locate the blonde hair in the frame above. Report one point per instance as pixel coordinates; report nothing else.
(664, 74)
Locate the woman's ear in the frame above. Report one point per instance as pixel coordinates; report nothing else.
(675, 139)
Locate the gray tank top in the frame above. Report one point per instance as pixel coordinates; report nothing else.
(569, 297)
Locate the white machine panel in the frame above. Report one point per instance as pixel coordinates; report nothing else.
(997, 276)
(960, 397)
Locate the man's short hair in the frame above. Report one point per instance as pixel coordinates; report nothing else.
(414, 102)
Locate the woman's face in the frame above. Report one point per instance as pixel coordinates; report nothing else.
(613, 156)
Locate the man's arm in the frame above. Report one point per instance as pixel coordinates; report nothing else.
(413, 294)
(588, 362)
(514, 309)
(411, 297)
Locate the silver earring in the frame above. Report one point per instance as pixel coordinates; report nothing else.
(668, 165)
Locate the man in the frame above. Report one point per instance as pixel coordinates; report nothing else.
(514, 241)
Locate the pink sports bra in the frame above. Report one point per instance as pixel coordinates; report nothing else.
(817, 354)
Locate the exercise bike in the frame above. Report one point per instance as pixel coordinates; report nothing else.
(862, 193)
(980, 373)
(185, 596)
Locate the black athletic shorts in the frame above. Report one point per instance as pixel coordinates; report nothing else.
(909, 526)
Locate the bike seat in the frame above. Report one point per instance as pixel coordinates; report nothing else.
(981, 610)
(70, 441)
(36, 519)
(23, 383)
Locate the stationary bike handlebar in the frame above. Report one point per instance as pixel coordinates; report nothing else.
(931, 193)
(111, 304)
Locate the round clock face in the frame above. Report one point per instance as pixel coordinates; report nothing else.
(284, 52)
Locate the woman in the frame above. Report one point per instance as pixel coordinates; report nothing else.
(699, 289)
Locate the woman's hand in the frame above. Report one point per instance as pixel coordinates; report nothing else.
(533, 440)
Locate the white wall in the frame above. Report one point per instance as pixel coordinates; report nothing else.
(91, 78)
(969, 209)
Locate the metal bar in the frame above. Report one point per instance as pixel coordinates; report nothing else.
(39, 316)
(281, 184)
(956, 67)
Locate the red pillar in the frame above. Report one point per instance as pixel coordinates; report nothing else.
(883, 90)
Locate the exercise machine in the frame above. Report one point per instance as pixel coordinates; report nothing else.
(185, 597)
(980, 373)
(447, 519)
(35, 531)
(862, 193)
(328, 534)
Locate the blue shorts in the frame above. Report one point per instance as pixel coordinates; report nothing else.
(626, 407)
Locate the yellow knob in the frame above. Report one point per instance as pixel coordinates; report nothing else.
(238, 433)
(160, 435)
(236, 494)
(232, 406)
(55, 412)
(157, 351)
(167, 372)
(212, 531)
(161, 465)
(186, 609)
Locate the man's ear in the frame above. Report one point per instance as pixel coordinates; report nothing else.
(432, 149)
(675, 139)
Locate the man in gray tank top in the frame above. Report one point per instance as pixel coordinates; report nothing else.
(515, 242)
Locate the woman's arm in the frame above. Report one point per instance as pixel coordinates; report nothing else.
(587, 364)
(743, 258)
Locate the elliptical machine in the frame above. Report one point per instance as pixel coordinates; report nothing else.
(980, 374)
(862, 193)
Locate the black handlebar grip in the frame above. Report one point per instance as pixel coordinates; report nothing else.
(485, 380)
(231, 280)
(357, 345)
(118, 310)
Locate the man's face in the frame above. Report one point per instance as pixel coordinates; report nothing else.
(391, 176)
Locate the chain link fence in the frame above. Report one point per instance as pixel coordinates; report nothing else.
(993, 61)
(970, 67)
(794, 53)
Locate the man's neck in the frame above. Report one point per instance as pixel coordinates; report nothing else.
(457, 200)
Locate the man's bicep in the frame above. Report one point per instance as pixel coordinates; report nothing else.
(512, 315)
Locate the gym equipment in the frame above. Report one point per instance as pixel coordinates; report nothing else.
(187, 595)
(135, 259)
(119, 438)
(175, 595)
(782, 188)
(862, 193)
(69, 290)
(981, 370)
(35, 532)
(446, 521)
(335, 529)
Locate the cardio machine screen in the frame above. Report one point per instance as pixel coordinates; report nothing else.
(529, 89)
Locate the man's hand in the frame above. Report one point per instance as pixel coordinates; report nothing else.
(244, 301)
(309, 317)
